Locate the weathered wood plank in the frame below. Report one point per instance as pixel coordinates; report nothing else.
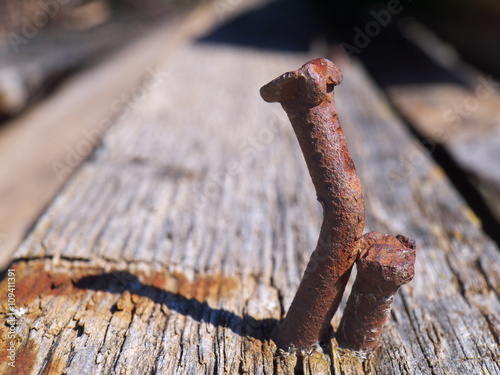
(179, 244)
(466, 125)
(39, 150)
(452, 107)
(464, 117)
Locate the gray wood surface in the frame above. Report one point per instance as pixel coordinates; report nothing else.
(465, 123)
(460, 113)
(178, 246)
(42, 147)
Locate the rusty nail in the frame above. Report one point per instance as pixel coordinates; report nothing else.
(384, 264)
(307, 97)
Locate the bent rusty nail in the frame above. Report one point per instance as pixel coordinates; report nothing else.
(307, 97)
(385, 263)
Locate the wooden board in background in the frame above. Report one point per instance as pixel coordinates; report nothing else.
(463, 118)
(29, 70)
(41, 148)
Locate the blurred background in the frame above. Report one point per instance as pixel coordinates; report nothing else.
(68, 67)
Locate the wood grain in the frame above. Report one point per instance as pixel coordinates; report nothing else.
(460, 114)
(179, 244)
(466, 124)
(40, 149)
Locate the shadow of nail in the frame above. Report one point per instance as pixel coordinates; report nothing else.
(120, 281)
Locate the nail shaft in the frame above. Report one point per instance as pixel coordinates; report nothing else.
(307, 96)
(385, 263)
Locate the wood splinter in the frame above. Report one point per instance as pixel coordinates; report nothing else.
(307, 96)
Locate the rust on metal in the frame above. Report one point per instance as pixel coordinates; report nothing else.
(384, 264)
(307, 96)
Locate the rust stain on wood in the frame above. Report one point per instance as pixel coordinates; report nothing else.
(205, 287)
(34, 281)
(37, 285)
(25, 359)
